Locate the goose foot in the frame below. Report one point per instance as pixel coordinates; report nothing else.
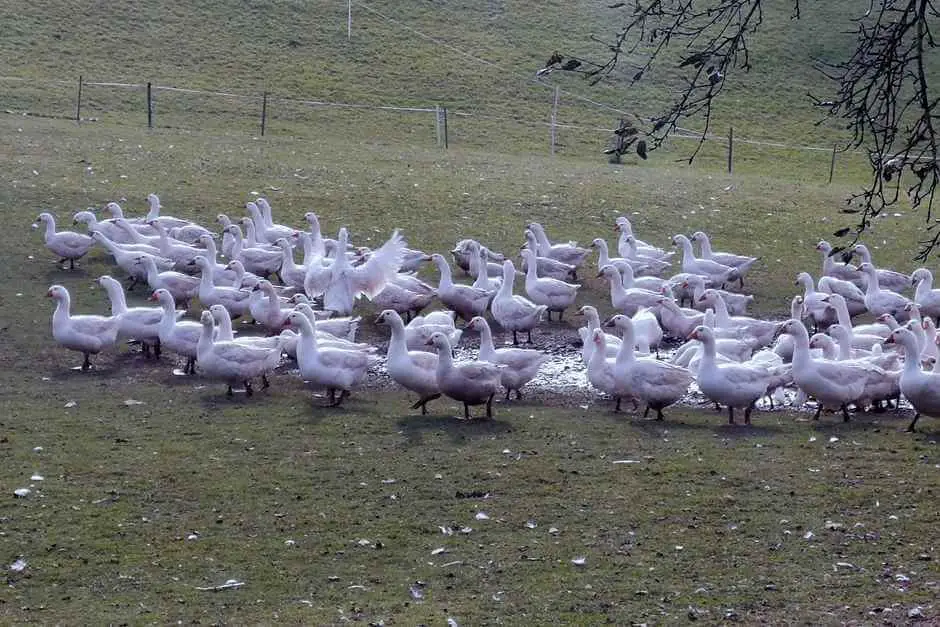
(617, 407)
(818, 411)
(647, 412)
(339, 401)
(423, 403)
(466, 412)
(549, 312)
(145, 349)
(508, 391)
(71, 264)
(229, 391)
(910, 427)
(156, 349)
(659, 414)
(717, 407)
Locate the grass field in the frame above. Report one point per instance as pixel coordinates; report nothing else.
(331, 516)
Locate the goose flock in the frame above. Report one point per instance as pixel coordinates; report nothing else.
(307, 312)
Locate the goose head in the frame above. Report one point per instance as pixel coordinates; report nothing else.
(597, 337)
(57, 292)
(385, 316)
(114, 209)
(623, 224)
(615, 322)
(608, 272)
(206, 319)
(439, 341)
(698, 236)
(700, 333)
(919, 275)
(476, 323)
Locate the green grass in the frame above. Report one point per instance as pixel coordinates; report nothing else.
(105, 534)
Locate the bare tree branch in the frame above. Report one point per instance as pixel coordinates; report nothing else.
(883, 93)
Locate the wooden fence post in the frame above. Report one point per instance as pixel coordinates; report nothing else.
(554, 118)
(832, 163)
(264, 111)
(730, 149)
(445, 128)
(78, 102)
(149, 106)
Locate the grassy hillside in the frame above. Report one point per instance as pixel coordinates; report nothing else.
(478, 59)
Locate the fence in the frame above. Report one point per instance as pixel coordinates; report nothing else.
(265, 113)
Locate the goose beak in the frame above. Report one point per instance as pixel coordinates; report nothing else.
(608, 323)
(599, 275)
(49, 293)
(153, 297)
(692, 336)
(429, 343)
(779, 330)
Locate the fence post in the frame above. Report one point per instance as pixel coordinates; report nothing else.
(445, 128)
(149, 107)
(437, 125)
(554, 118)
(730, 149)
(832, 163)
(264, 111)
(78, 102)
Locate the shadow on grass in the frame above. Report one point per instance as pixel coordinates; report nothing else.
(459, 430)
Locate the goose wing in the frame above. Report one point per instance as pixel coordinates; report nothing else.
(381, 267)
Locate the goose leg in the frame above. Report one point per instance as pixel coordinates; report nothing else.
(133, 281)
(489, 406)
(342, 396)
(910, 427)
(549, 312)
(730, 415)
(818, 411)
(156, 349)
(845, 413)
(145, 349)
(518, 395)
(265, 384)
(229, 392)
(561, 315)
(86, 364)
(617, 408)
(659, 414)
(529, 333)
(332, 397)
(71, 264)
(717, 407)
(515, 339)
(647, 412)
(747, 414)
(248, 390)
(422, 403)
(466, 412)
(507, 393)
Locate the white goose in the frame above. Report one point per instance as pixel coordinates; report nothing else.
(512, 312)
(888, 279)
(234, 299)
(405, 294)
(621, 263)
(647, 333)
(716, 272)
(921, 389)
(815, 304)
(292, 274)
(651, 265)
(330, 368)
(461, 254)
(466, 300)
(111, 230)
(839, 269)
(926, 297)
(479, 268)
(854, 297)
(569, 253)
(881, 301)
(659, 384)
(521, 364)
(273, 231)
(676, 321)
(182, 254)
(86, 334)
(628, 301)
(736, 303)
(740, 262)
(831, 383)
(343, 329)
(233, 362)
(758, 333)
(68, 245)
(880, 328)
(183, 287)
(127, 258)
(554, 294)
(593, 319)
(732, 384)
(415, 371)
(630, 280)
(346, 283)
(600, 367)
(545, 266)
(252, 239)
(179, 336)
(625, 229)
(271, 313)
(134, 323)
(168, 222)
(469, 382)
(256, 260)
(421, 328)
